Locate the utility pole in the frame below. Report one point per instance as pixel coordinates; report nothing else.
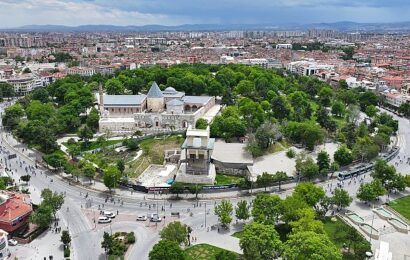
(205, 214)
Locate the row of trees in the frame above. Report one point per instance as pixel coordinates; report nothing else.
(307, 238)
(385, 180)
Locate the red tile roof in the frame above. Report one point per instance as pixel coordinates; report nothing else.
(15, 206)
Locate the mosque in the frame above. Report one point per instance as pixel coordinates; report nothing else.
(157, 110)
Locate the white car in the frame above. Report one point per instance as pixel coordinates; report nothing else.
(108, 214)
(102, 220)
(155, 218)
(13, 242)
(141, 218)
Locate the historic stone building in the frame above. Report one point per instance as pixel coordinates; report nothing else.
(155, 111)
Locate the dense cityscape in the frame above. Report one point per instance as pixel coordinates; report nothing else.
(204, 141)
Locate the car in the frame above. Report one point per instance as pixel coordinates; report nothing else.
(155, 218)
(141, 218)
(104, 219)
(108, 214)
(13, 242)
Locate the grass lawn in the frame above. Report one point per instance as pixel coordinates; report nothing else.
(338, 234)
(238, 234)
(402, 206)
(153, 153)
(227, 179)
(203, 252)
(94, 145)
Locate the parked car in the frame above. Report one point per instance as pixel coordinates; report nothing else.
(104, 219)
(141, 218)
(108, 214)
(13, 242)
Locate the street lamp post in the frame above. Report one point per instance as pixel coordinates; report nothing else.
(205, 214)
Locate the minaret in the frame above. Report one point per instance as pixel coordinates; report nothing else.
(101, 99)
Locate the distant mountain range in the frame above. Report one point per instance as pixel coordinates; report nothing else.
(345, 26)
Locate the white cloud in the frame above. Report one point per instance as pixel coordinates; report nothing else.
(13, 13)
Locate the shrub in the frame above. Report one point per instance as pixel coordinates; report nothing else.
(131, 238)
(67, 252)
(291, 153)
(71, 141)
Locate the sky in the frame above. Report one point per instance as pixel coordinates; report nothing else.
(15, 13)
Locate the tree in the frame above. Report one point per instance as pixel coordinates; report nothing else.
(341, 198)
(310, 245)
(343, 84)
(131, 144)
(121, 166)
(224, 212)
(65, 237)
(166, 249)
(89, 171)
(177, 188)
(12, 115)
(306, 133)
(307, 222)
(111, 177)
(242, 210)
(343, 156)
(306, 167)
(201, 123)
(266, 135)
(404, 109)
(85, 133)
(309, 192)
(338, 109)
(370, 191)
(266, 208)
(93, 119)
(25, 178)
(42, 216)
(264, 180)
(281, 107)
(260, 242)
(365, 148)
(53, 199)
(371, 111)
(323, 161)
(290, 206)
(384, 172)
(195, 189)
(280, 176)
(107, 242)
(177, 232)
(114, 87)
(74, 150)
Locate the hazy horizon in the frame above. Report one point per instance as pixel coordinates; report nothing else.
(165, 12)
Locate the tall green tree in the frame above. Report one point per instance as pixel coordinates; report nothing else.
(260, 242)
(266, 208)
(53, 199)
(323, 161)
(177, 232)
(224, 212)
(310, 245)
(111, 177)
(166, 249)
(309, 192)
(242, 210)
(341, 198)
